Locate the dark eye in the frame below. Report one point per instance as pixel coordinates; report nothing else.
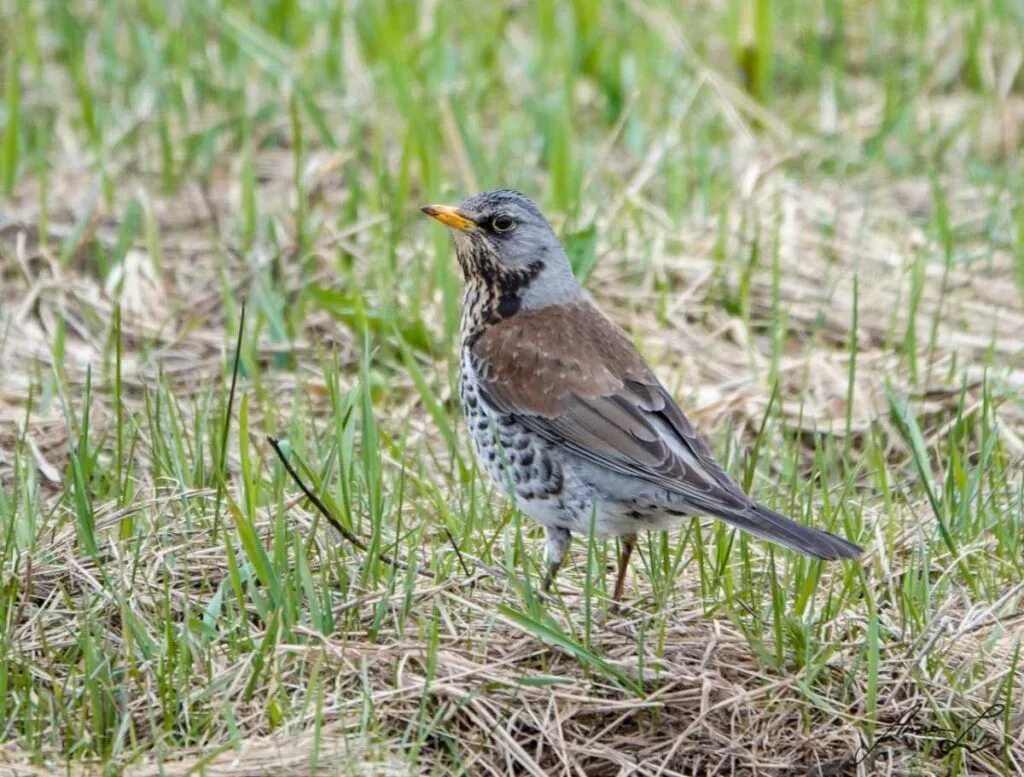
(503, 223)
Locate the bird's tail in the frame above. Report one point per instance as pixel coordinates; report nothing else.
(771, 526)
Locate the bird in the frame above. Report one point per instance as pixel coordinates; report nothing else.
(564, 414)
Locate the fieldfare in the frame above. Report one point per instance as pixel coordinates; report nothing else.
(564, 414)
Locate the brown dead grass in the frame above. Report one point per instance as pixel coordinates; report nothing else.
(711, 708)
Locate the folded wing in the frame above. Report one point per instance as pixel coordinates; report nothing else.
(574, 378)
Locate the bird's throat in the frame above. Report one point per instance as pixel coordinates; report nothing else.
(493, 293)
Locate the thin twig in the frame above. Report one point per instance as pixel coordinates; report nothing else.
(344, 531)
(458, 553)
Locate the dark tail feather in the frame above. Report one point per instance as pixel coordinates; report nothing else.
(769, 525)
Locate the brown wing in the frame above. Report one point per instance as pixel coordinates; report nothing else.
(573, 377)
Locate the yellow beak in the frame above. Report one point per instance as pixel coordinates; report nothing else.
(449, 216)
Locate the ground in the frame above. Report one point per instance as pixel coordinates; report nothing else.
(807, 215)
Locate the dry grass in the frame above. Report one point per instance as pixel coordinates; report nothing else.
(173, 647)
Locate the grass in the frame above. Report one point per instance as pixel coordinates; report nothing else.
(806, 214)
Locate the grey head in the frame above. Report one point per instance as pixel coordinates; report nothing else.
(511, 259)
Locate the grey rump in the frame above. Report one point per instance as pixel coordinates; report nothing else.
(563, 412)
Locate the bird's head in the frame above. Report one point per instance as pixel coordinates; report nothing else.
(509, 255)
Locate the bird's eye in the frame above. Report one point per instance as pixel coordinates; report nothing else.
(503, 223)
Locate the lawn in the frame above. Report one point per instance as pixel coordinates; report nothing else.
(808, 216)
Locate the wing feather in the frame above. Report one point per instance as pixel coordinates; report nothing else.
(572, 377)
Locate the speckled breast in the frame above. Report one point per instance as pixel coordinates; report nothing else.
(521, 463)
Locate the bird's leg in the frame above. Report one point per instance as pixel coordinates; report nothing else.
(558, 541)
(628, 541)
